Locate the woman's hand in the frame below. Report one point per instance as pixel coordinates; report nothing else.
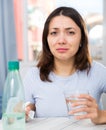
(88, 105)
(29, 107)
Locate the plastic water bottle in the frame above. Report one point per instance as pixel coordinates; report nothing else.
(13, 111)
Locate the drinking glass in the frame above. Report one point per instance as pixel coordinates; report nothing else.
(72, 97)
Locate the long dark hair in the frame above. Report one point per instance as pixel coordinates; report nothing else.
(82, 57)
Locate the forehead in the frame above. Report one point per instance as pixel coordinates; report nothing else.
(62, 21)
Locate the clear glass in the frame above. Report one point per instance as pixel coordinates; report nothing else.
(72, 97)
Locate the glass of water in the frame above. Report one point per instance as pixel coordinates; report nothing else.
(72, 97)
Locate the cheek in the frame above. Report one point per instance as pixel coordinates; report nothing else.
(51, 41)
(76, 42)
(75, 46)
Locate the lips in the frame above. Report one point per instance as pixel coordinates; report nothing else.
(62, 50)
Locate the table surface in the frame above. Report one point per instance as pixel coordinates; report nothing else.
(60, 124)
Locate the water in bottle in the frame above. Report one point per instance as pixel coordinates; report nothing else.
(13, 111)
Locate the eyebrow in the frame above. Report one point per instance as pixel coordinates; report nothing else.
(68, 28)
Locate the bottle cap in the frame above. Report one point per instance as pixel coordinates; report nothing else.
(12, 65)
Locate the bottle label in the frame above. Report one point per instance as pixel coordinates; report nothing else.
(15, 105)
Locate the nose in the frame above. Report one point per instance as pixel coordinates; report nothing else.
(62, 39)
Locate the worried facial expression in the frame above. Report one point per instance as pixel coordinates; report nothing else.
(63, 38)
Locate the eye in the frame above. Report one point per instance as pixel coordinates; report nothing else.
(71, 32)
(53, 33)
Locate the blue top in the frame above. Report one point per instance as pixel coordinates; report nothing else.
(48, 96)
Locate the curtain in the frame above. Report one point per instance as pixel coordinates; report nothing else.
(8, 49)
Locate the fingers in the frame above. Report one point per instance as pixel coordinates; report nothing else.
(91, 116)
(87, 97)
(85, 113)
(84, 109)
(86, 100)
(84, 103)
(87, 105)
(84, 116)
(27, 110)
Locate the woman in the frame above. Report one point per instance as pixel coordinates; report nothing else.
(65, 65)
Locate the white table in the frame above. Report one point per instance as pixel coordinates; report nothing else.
(60, 124)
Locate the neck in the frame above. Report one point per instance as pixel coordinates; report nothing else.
(64, 68)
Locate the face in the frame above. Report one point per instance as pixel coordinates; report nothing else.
(63, 38)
